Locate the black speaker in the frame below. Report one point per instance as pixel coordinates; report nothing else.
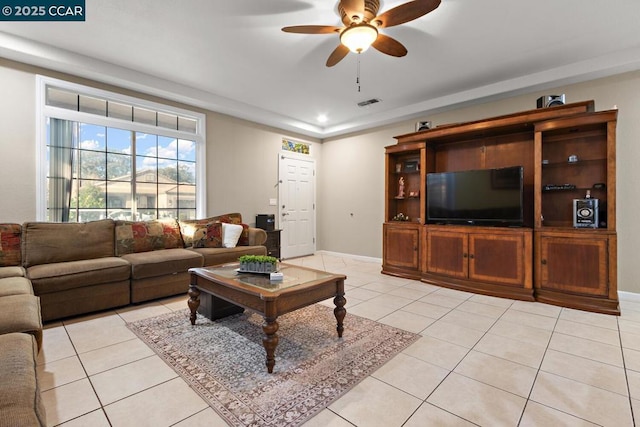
(585, 213)
(266, 222)
(423, 126)
(550, 101)
(602, 214)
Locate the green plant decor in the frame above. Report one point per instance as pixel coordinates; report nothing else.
(258, 258)
(258, 263)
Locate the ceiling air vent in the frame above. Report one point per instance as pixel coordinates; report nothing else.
(368, 102)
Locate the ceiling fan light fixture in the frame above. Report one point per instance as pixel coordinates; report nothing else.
(359, 37)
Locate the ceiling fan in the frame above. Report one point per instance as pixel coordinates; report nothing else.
(362, 23)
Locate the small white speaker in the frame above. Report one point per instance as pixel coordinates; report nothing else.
(423, 126)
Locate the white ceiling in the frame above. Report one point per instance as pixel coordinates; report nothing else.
(231, 56)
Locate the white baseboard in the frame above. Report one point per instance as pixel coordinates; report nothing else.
(629, 296)
(351, 256)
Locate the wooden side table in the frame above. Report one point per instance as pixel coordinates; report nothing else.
(273, 243)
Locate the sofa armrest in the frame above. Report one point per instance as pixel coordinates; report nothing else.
(257, 236)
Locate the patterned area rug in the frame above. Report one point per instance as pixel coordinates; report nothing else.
(224, 360)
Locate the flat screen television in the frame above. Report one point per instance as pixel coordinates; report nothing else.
(483, 197)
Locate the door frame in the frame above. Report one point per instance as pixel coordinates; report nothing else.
(301, 157)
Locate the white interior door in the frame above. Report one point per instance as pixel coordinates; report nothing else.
(296, 209)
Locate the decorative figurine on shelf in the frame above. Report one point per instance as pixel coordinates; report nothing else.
(400, 187)
(400, 217)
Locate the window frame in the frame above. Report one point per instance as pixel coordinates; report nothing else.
(44, 111)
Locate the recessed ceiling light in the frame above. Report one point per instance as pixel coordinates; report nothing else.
(322, 118)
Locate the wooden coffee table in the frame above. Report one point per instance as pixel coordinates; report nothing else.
(225, 291)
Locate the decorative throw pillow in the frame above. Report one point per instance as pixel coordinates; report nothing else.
(10, 254)
(145, 236)
(230, 218)
(231, 234)
(244, 237)
(189, 226)
(207, 235)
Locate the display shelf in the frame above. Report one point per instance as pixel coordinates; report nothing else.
(591, 138)
(577, 163)
(576, 267)
(542, 260)
(404, 182)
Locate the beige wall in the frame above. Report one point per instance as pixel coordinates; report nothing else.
(17, 146)
(242, 159)
(352, 168)
(242, 165)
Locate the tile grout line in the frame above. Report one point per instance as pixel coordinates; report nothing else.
(535, 378)
(457, 364)
(95, 392)
(626, 376)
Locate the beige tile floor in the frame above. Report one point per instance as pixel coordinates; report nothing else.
(480, 361)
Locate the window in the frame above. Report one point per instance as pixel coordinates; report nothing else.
(104, 155)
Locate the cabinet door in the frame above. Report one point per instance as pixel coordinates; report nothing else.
(447, 253)
(497, 258)
(401, 246)
(576, 264)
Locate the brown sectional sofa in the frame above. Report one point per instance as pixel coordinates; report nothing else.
(20, 403)
(20, 337)
(73, 267)
(78, 268)
(50, 271)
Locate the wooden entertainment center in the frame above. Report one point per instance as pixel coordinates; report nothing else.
(565, 151)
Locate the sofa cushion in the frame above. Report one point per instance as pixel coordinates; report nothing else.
(20, 401)
(15, 286)
(10, 235)
(152, 288)
(61, 276)
(21, 313)
(86, 299)
(159, 263)
(188, 227)
(12, 272)
(145, 236)
(217, 256)
(49, 242)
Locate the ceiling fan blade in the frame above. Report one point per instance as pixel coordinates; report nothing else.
(352, 7)
(406, 12)
(386, 44)
(336, 56)
(312, 29)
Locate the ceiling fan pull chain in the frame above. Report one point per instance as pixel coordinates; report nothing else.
(358, 73)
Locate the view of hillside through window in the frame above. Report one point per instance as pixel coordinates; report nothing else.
(97, 172)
